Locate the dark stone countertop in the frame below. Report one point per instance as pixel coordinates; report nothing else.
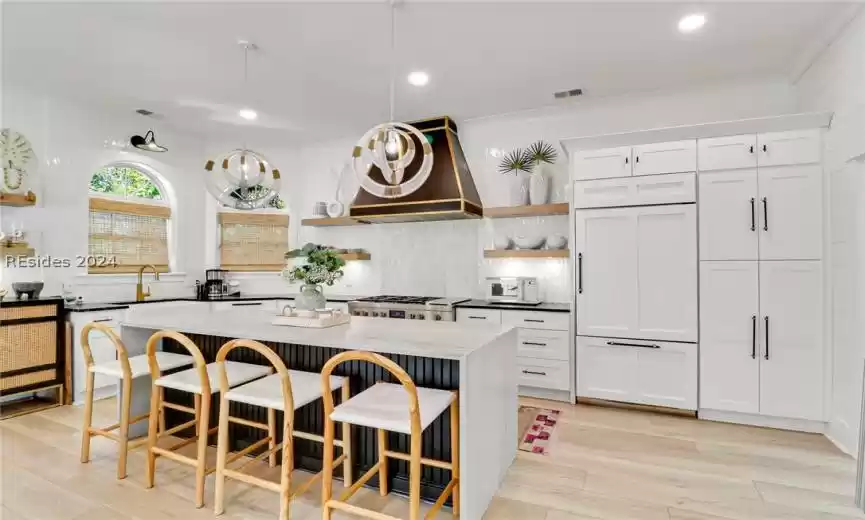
(544, 306)
(106, 306)
(10, 301)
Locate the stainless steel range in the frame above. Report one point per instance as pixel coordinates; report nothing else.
(406, 307)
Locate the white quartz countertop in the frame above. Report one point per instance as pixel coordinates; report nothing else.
(445, 340)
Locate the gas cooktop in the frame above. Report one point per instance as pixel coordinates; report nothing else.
(405, 307)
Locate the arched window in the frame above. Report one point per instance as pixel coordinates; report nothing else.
(129, 216)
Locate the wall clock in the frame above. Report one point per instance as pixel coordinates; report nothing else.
(15, 149)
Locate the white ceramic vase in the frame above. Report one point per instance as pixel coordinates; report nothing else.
(539, 185)
(519, 189)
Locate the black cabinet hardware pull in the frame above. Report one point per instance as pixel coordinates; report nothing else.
(753, 215)
(477, 317)
(101, 320)
(627, 160)
(765, 149)
(245, 304)
(752, 149)
(580, 273)
(765, 214)
(534, 373)
(754, 337)
(618, 344)
(766, 319)
(532, 321)
(534, 344)
(637, 159)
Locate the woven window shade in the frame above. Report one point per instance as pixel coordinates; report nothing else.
(253, 242)
(132, 234)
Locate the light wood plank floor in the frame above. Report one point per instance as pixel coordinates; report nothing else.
(605, 464)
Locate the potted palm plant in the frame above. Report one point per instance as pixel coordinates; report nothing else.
(323, 265)
(519, 163)
(540, 154)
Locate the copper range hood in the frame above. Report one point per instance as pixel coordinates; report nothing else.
(448, 194)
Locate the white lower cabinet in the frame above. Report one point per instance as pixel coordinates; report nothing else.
(761, 338)
(101, 348)
(544, 373)
(658, 373)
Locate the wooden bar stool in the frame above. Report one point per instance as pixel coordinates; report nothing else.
(286, 391)
(201, 381)
(125, 369)
(401, 408)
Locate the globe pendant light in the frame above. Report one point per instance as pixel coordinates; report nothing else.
(247, 180)
(391, 147)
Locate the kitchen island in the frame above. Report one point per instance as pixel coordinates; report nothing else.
(477, 360)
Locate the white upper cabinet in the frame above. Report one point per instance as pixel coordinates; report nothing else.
(729, 350)
(791, 367)
(606, 255)
(670, 157)
(790, 212)
(667, 272)
(602, 164)
(728, 215)
(786, 148)
(637, 272)
(635, 191)
(728, 153)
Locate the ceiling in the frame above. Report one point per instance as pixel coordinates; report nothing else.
(323, 67)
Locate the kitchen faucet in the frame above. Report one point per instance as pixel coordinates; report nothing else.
(140, 293)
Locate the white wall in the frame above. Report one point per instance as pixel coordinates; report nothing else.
(836, 81)
(445, 258)
(69, 142)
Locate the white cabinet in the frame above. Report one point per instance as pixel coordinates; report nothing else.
(787, 148)
(101, 348)
(544, 373)
(537, 319)
(638, 371)
(602, 164)
(637, 272)
(791, 220)
(761, 338)
(669, 157)
(791, 367)
(467, 315)
(727, 153)
(729, 311)
(728, 215)
(605, 244)
(666, 238)
(543, 344)
(635, 191)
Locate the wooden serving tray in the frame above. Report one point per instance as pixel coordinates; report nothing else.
(312, 323)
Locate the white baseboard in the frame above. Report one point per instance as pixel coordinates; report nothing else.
(544, 393)
(842, 436)
(780, 423)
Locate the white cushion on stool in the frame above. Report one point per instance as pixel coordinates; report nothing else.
(238, 373)
(267, 392)
(386, 406)
(139, 366)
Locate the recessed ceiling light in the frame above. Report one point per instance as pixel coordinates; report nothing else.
(692, 22)
(248, 114)
(418, 78)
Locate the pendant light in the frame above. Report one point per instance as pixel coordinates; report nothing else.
(146, 143)
(391, 146)
(247, 180)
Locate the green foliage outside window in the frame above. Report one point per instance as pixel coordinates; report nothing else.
(124, 181)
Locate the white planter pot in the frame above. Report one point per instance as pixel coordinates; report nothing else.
(539, 185)
(519, 189)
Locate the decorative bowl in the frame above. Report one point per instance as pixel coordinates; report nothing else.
(335, 209)
(529, 242)
(557, 242)
(29, 289)
(503, 243)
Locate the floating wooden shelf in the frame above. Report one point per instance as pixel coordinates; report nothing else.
(354, 256)
(527, 253)
(16, 251)
(540, 210)
(325, 222)
(17, 200)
